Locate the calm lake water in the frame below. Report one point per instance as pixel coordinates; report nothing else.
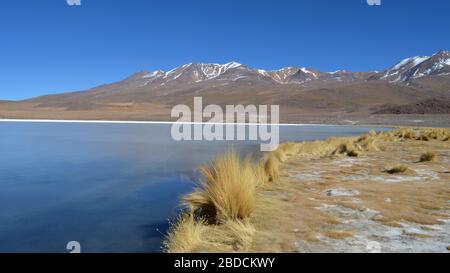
(111, 187)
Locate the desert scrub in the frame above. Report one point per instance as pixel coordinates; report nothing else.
(347, 149)
(227, 188)
(280, 154)
(367, 143)
(423, 138)
(289, 148)
(260, 172)
(185, 235)
(428, 156)
(338, 234)
(218, 211)
(397, 169)
(405, 133)
(272, 167)
(436, 133)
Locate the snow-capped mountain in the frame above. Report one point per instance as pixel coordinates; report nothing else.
(231, 72)
(417, 67)
(406, 70)
(196, 72)
(292, 75)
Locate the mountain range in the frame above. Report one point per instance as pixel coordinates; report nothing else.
(300, 91)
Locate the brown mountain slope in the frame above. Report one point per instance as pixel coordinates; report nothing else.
(297, 103)
(428, 106)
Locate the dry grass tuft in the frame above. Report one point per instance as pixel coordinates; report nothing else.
(236, 235)
(190, 235)
(352, 153)
(289, 148)
(417, 235)
(219, 209)
(368, 143)
(280, 154)
(436, 133)
(405, 133)
(423, 138)
(228, 187)
(185, 235)
(428, 156)
(347, 149)
(397, 169)
(272, 167)
(199, 204)
(338, 234)
(260, 172)
(426, 134)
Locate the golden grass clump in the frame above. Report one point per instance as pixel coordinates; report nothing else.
(190, 235)
(348, 149)
(260, 173)
(427, 157)
(417, 235)
(280, 154)
(423, 138)
(428, 134)
(405, 133)
(227, 189)
(425, 134)
(436, 133)
(349, 146)
(319, 148)
(185, 235)
(272, 167)
(236, 234)
(288, 148)
(368, 143)
(218, 216)
(338, 234)
(397, 169)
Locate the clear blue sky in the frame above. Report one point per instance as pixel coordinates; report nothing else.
(48, 46)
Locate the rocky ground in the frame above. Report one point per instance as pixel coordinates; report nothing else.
(358, 207)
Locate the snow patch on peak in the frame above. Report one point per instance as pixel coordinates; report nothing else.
(304, 70)
(232, 64)
(307, 71)
(263, 72)
(413, 60)
(211, 71)
(334, 72)
(153, 74)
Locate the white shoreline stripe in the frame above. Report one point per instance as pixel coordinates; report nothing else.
(153, 122)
